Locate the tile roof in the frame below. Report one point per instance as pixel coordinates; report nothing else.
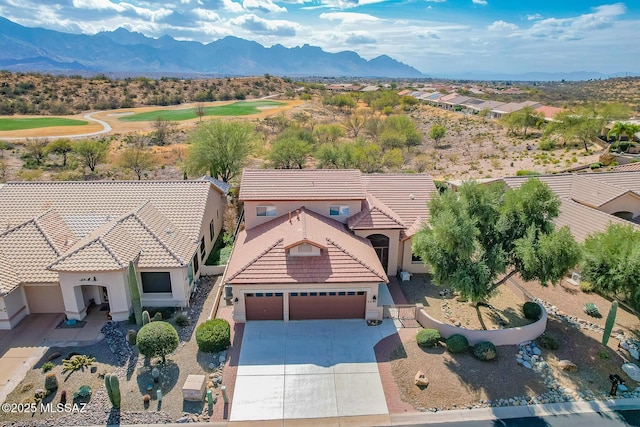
(144, 235)
(182, 202)
(9, 279)
(560, 184)
(29, 251)
(549, 112)
(593, 192)
(260, 255)
(628, 180)
(375, 215)
(629, 167)
(583, 220)
(301, 184)
(405, 194)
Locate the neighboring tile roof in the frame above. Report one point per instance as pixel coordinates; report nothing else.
(301, 184)
(375, 215)
(221, 185)
(182, 202)
(629, 167)
(560, 184)
(259, 255)
(593, 192)
(628, 180)
(405, 194)
(549, 112)
(583, 220)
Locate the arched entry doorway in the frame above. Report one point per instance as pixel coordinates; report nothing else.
(380, 244)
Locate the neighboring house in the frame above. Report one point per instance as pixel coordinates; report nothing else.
(319, 244)
(590, 202)
(67, 245)
(512, 107)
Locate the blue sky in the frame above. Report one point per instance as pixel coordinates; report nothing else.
(438, 37)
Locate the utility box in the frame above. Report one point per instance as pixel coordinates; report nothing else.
(194, 387)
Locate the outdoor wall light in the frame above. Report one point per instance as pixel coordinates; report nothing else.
(374, 298)
(236, 300)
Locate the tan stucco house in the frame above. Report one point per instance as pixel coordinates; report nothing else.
(320, 244)
(65, 246)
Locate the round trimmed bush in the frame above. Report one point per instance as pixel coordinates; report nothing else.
(428, 337)
(457, 343)
(213, 335)
(157, 339)
(484, 350)
(532, 311)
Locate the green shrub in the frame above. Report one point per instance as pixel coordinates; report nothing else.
(532, 311)
(484, 350)
(77, 362)
(51, 382)
(546, 145)
(586, 287)
(428, 337)
(47, 366)
(524, 172)
(549, 341)
(592, 310)
(457, 343)
(157, 339)
(596, 165)
(182, 319)
(213, 335)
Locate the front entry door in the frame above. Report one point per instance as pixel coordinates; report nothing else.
(380, 244)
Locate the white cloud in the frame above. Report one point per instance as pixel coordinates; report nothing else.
(577, 27)
(502, 26)
(206, 15)
(232, 6)
(436, 1)
(482, 2)
(264, 6)
(255, 24)
(348, 4)
(534, 17)
(348, 17)
(361, 38)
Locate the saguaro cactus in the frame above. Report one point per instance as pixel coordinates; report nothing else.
(608, 326)
(113, 389)
(134, 290)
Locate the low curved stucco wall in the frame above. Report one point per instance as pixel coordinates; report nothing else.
(510, 336)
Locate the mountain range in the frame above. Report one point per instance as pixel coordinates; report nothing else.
(122, 51)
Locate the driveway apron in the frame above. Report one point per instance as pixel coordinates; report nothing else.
(309, 369)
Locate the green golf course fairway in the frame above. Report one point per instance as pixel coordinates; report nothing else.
(38, 122)
(241, 108)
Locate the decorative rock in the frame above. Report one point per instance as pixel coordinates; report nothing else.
(634, 353)
(624, 345)
(632, 370)
(622, 388)
(421, 380)
(182, 419)
(567, 366)
(526, 364)
(536, 351)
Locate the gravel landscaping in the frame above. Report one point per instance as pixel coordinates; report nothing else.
(114, 355)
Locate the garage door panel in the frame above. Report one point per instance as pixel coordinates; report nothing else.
(264, 306)
(44, 299)
(309, 306)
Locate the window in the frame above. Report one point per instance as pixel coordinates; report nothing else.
(294, 294)
(266, 211)
(203, 248)
(212, 231)
(339, 210)
(156, 282)
(196, 265)
(305, 248)
(415, 258)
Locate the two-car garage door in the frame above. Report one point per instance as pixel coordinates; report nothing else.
(306, 305)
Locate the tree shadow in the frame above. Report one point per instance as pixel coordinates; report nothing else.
(169, 375)
(389, 348)
(192, 406)
(114, 417)
(233, 353)
(132, 362)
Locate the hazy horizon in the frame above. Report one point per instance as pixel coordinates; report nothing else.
(438, 37)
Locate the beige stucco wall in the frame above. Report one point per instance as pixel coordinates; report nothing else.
(510, 336)
(214, 210)
(407, 264)
(394, 245)
(372, 311)
(626, 203)
(179, 290)
(74, 298)
(13, 308)
(284, 207)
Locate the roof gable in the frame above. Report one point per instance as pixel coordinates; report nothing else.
(375, 215)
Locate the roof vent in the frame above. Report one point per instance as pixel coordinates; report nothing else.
(412, 197)
(169, 231)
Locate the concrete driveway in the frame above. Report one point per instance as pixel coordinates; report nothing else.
(309, 369)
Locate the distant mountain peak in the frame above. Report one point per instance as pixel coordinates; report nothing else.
(122, 50)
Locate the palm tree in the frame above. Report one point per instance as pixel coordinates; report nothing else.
(617, 130)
